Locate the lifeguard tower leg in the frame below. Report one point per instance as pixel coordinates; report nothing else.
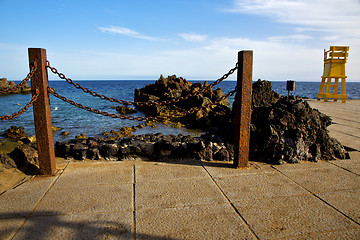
(327, 91)
(343, 90)
(336, 89)
(321, 90)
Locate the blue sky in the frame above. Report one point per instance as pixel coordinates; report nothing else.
(195, 39)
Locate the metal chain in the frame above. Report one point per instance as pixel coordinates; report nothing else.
(22, 110)
(53, 92)
(123, 102)
(157, 118)
(27, 78)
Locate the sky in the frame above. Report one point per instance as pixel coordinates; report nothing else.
(194, 39)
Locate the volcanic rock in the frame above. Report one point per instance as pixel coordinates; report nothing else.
(263, 95)
(283, 129)
(289, 130)
(125, 110)
(26, 158)
(15, 132)
(149, 146)
(7, 161)
(212, 108)
(12, 88)
(4, 84)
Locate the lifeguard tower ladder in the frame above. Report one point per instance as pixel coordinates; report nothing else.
(334, 67)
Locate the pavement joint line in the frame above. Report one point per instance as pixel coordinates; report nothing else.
(231, 204)
(133, 227)
(172, 179)
(37, 203)
(318, 197)
(21, 182)
(345, 133)
(349, 120)
(179, 207)
(314, 234)
(334, 122)
(344, 168)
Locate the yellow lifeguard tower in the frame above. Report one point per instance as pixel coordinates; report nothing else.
(334, 67)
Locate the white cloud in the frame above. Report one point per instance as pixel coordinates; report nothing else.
(295, 37)
(340, 17)
(264, 6)
(127, 32)
(317, 24)
(272, 61)
(190, 37)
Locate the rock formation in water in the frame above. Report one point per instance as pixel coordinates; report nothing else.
(213, 109)
(283, 129)
(11, 88)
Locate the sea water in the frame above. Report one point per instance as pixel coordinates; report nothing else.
(77, 121)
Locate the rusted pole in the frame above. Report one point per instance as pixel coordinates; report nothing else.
(42, 112)
(243, 109)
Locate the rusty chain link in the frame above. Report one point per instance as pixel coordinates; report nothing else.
(53, 92)
(157, 118)
(22, 110)
(27, 78)
(123, 102)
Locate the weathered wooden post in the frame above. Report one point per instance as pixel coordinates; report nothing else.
(243, 109)
(42, 112)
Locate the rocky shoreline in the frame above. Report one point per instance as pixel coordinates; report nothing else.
(7, 87)
(289, 131)
(155, 147)
(283, 130)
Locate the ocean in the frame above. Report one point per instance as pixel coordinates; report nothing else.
(77, 121)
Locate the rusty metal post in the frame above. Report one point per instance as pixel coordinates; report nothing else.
(42, 112)
(243, 109)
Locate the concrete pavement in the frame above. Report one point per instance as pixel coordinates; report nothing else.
(191, 200)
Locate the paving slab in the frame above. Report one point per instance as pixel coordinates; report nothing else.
(327, 179)
(285, 217)
(90, 173)
(10, 178)
(9, 226)
(159, 171)
(86, 199)
(90, 226)
(350, 105)
(354, 155)
(351, 165)
(350, 128)
(19, 202)
(254, 186)
(221, 169)
(177, 193)
(343, 117)
(217, 221)
(345, 120)
(303, 166)
(346, 201)
(346, 139)
(348, 234)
